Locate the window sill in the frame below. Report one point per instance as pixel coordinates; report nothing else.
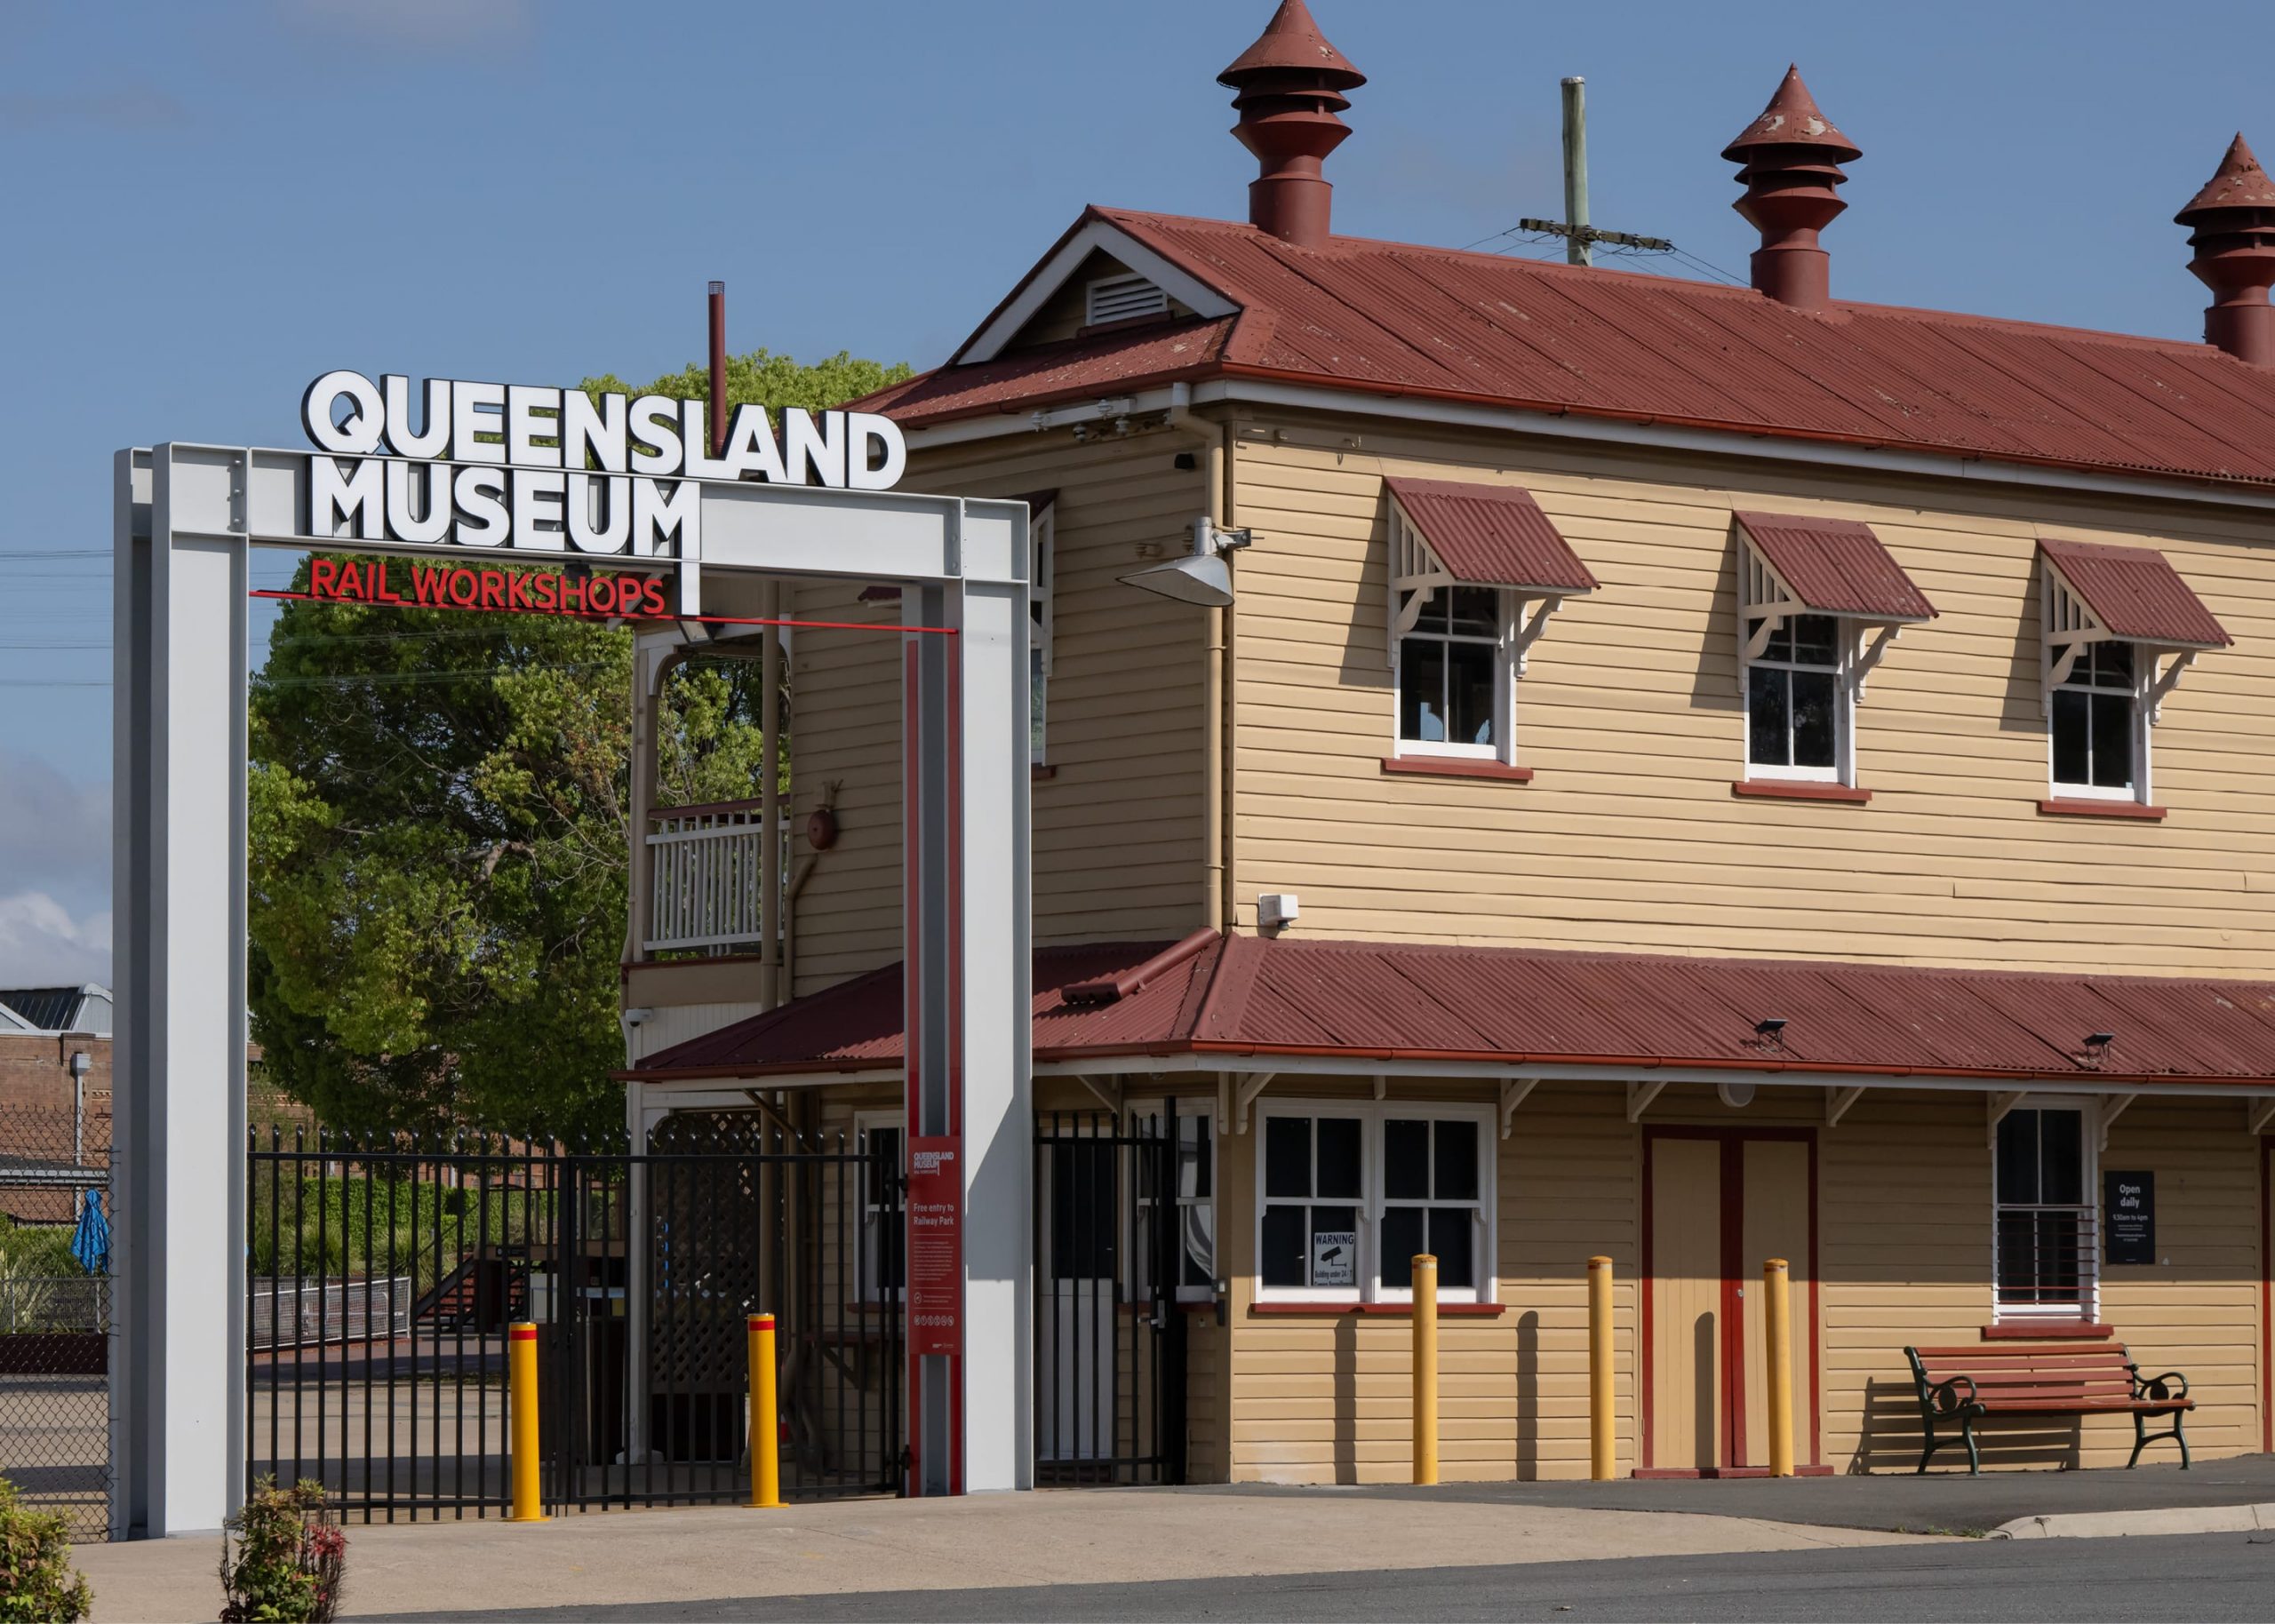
(1455, 767)
(2047, 1331)
(2060, 807)
(1037, 772)
(1799, 789)
(1402, 1310)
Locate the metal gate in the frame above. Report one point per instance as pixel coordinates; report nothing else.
(55, 1297)
(1110, 1341)
(385, 1271)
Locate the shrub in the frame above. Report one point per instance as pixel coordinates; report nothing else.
(37, 1583)
(288, 1560)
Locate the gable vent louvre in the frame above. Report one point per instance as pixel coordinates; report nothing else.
(1122, 298)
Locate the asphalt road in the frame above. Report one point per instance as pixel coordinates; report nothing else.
(2211, 1577)
(1941, 1502)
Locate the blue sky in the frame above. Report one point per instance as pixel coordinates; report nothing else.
(208, 205)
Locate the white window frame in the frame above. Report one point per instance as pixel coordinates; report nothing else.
(1503, 748)
(1042, 612)
(1206, 1115)
(2144, 664)
(1370, 1202)
(1763, 596)
(2088, 1306)
(865, 1123)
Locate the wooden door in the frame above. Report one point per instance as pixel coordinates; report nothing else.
(1688, 1406)
(1775, 1223)
(1720, 1201)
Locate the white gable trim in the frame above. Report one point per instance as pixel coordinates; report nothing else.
(1055, 272)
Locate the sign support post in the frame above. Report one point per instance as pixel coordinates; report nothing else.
(185, 518)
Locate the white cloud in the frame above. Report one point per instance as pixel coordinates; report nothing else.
(54, 832)
(43, 945)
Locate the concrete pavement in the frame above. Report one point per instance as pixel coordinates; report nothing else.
(731, 1558)
(2218, 1578)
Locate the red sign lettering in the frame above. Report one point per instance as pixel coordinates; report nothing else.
(518, 592)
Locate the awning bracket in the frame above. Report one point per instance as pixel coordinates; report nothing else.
(1514, 1091)
(1999, 1105)
(1522, 641)
(1110, 1093)
(2261, 1113)
(2112, 1107)
(1639, 1096)
(2169, 680)
(1248, 1084)
(1837, 1102)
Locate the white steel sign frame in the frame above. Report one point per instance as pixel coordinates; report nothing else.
(186, 518)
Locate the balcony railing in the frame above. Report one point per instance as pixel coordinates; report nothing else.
(704, 864)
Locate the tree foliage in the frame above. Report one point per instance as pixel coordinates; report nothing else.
(439, 821)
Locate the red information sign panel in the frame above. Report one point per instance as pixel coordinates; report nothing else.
(934, 1245)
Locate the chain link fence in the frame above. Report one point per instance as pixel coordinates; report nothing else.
(55, 1301)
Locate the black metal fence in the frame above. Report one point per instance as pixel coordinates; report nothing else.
(383, 1273)
(55, 1296)
(1110, 1341)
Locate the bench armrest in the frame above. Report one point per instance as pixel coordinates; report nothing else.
(2172, 1385)
(1943, 1398)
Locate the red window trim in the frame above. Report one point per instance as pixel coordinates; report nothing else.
(1778, 788)
(1403, 1311)
(2047, 1330)
(1454, 767)
(2058, 807)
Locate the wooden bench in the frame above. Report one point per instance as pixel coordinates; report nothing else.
(1962, 1385)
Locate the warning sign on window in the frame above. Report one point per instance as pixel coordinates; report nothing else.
(1335, 1257)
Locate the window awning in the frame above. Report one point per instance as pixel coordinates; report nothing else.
(1835, 567)
(1491, 535)
(2134, 594)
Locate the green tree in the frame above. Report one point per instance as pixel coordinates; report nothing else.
(440, 827)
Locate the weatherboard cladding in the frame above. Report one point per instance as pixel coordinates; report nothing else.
(1401, 319)
(1491, 535)
(1837, 566)
(2135, 593)
(1244, 995)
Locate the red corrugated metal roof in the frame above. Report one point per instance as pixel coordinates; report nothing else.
(1399, 319)
(2135, 593)
(1491, 535)
(1837, 566)
(1248, 998)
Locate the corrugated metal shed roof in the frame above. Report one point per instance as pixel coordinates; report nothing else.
(2136, 593)
(1392, 1001)
(1491, 535)
(83, 1008)
(1837, 566)
(1401, 319)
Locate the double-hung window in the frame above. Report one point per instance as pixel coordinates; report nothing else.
(1820, 601)
(1352, 1193)
(2046, 1249)
(1453, 686)
(1797, 710)
(1191, 1212)
(1465, 560)
(2113, 615)
(2098, 739)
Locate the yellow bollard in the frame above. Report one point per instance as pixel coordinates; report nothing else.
(521, 1371)
(1426, 1368)
(1601, 1400)
(1778, 1330)
(765, 1426)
